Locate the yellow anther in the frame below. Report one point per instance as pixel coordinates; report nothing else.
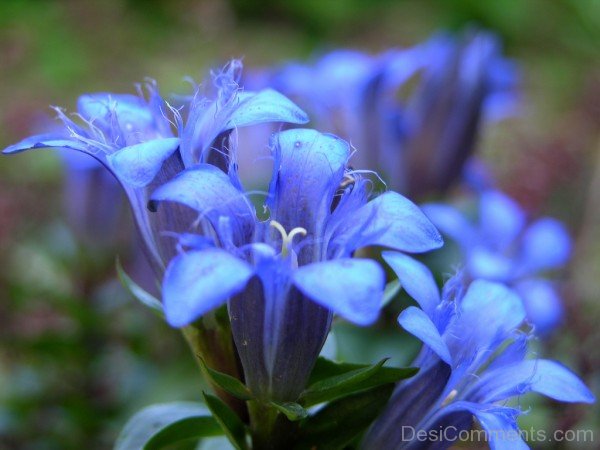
(287, 238)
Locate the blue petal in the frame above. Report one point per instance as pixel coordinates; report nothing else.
(501, 218)
(199, 281)
(209, 191)
(418, 323)
(390, 220)
(206, 121)
(137, 165)
(131, 112)
(262, 107)
(543, 376)
(499, 422)
(556, 381)
(451, 222)
(489, 314)
(45, 141)
(308, 169)
(329, 83)
(352, 288)
(416, 279)
(482, 262)
(546, 245)
(542, 303)
(513, 353)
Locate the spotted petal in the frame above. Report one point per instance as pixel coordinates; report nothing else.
(307, 171)
(264, 106)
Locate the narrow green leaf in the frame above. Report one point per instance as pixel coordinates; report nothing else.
(339, 380)
(325, 368)
(167, 423)
(342, 421)
(138, 292)
(391, 290)
(337, 385)
(230, 423)
(226, 382)
(293, 411)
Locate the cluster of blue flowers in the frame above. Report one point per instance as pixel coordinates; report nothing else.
(473, 361)
(413, 114)
(284, 269)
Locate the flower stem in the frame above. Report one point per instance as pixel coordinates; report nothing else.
(210, 339)
(270, 429)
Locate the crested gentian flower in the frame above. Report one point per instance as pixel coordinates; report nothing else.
(502, 246)
(418, 141)
(473, 361)
(93, 200)
(283, 277)
(133, 137)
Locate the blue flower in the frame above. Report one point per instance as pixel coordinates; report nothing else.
(502, 246)
(284, 276)
(93, 201)
(419, 141)
(473, 362)
(133, 136)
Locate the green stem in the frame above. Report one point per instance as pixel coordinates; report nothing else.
(210, 339)
(270, 429)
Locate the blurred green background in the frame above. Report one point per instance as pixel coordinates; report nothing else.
(77, 355)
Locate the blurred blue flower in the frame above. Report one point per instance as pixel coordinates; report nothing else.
(473, 362)
(93, 200)
(133, 137)
(416, 112)
(502, 246)
(286, 275)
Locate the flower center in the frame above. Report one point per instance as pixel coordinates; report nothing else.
(286, 238)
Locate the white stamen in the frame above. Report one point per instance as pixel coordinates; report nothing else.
(287, 238)
(451, 396)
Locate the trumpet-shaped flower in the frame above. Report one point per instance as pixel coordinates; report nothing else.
(420, 109)
(502, 246)
(284, 276)
(133, 137)
(473, 361)
(93, 201)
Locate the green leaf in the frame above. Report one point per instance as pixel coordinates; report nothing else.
(226, 382)
(342, 421)
(293, 411)
(325, 368)
(159, 425)
(134, 289)
(332, 380)
(391, 290)
(230, 423)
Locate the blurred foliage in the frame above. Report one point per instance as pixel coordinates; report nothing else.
(78, 356)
